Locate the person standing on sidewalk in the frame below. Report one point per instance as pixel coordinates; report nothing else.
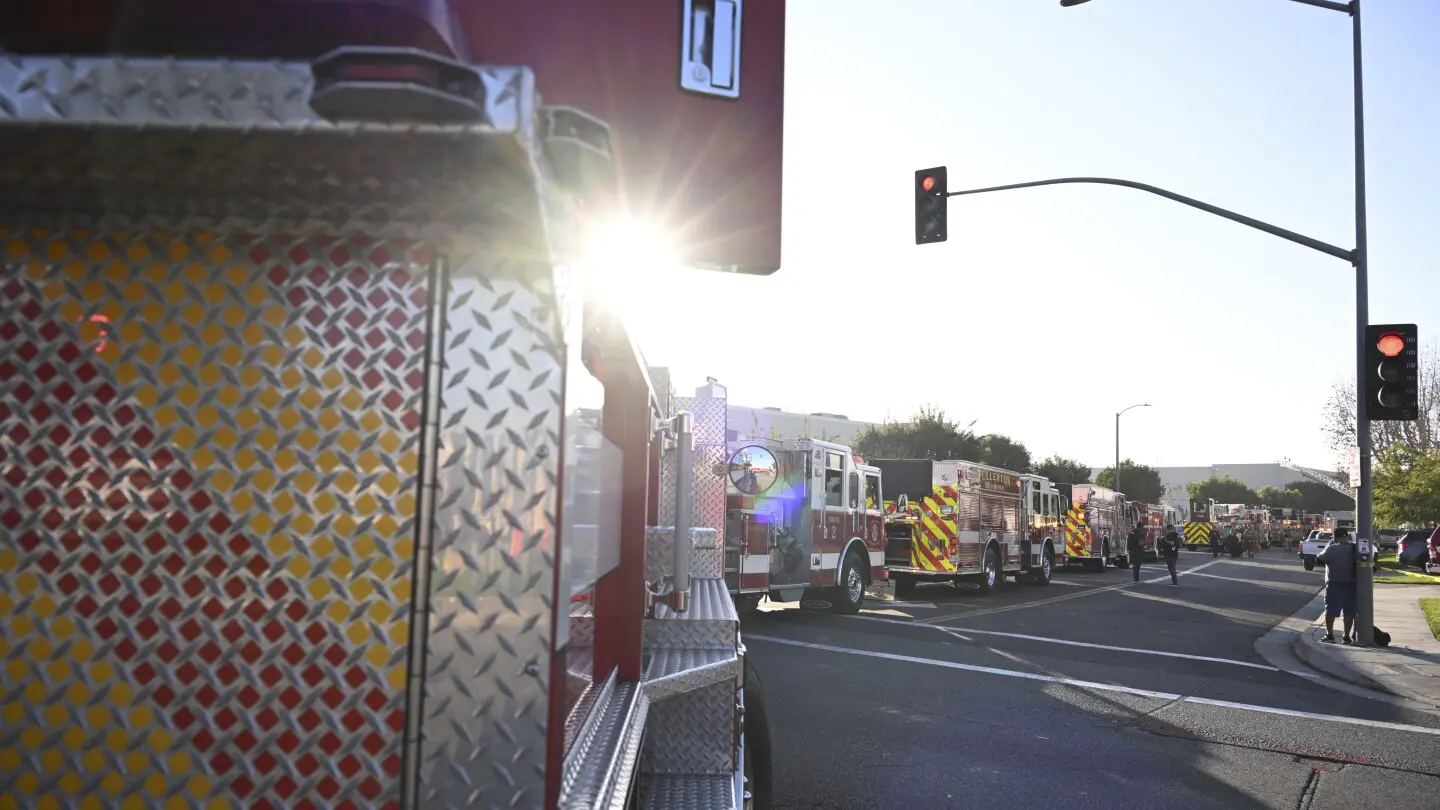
(1170, 550)
(1135, 547)
(1340, 561)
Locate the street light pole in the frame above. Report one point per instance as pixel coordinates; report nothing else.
(1116, 480)
(1360, 258)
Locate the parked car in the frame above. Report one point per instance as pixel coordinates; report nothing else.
(1419, 548)
(1312, 545)
(1388, 539)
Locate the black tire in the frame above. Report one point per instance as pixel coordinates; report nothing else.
(747, 604)
(991, 571)
(1041, 575)
(849, 595)
(1309, 563)
(904, 586)
(757, 741)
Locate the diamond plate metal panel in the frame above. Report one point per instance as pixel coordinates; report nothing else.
(670, 671)
(209, 454)
(234, 146)
(691, 792)
(709, 436)
(710, 621)
(493, 561)
(692, 733)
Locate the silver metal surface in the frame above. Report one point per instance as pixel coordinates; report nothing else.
(693, 732)
(607, 752)
(685, 791)
(671, 671)
(710, 419)
(493, 577)
(233, 146)
(711, 620)
(710, 47)
(684, 507)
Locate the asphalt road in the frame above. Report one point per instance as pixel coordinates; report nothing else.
(954, 699)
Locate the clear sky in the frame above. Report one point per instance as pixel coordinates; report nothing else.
(1050, 309)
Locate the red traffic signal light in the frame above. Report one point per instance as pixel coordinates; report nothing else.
(1391, 344)
(930, 208)
(1390, 374)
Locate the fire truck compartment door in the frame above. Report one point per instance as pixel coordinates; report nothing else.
(693, 93)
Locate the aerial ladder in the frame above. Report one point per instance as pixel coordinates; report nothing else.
(1319, 478)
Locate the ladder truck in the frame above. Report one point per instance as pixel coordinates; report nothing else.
(329, 480)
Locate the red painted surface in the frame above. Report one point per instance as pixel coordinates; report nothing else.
(754, 581)
(709, 168)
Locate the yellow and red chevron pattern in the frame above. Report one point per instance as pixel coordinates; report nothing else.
(208, 519)
(1197, 534)
(935, 543)
(1077, 532)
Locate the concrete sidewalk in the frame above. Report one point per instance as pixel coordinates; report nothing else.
(1408, 668)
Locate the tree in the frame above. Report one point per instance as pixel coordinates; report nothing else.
(1138, 481)
(1063, 470)
(928, 435)
(1315, 497)
(1223, 489)
(1004, 452)
(1420, 436)
(1281, 498)
(1407, 487)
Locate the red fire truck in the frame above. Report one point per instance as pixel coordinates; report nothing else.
(805, 521)
(1151, 516)
(326, 479)
(1095, 526)
(962, 521)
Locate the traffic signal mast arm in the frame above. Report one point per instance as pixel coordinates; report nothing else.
(1274, 230)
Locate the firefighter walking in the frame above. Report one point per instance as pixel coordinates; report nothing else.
(1135, 549)
(1170, 550)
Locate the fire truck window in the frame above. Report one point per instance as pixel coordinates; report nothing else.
(854, 490)
(833, 480)
(1035, 503)
(872, 492)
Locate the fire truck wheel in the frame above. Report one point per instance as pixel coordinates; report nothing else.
(851, 592)
(1041, 575)
(904, 585)
(991, 576)
(757, 742)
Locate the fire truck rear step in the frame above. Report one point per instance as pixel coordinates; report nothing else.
(601, 765)
(690, 791)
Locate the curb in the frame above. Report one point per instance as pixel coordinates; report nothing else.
(1306, 645)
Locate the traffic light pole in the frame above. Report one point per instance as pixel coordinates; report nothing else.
(1364, 521)
(1359, 258)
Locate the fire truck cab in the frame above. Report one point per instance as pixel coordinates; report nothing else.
(804, 521)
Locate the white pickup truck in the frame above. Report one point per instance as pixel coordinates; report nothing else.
(1311, 545)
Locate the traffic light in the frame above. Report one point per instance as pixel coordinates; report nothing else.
(1392, 372)
(930, 205)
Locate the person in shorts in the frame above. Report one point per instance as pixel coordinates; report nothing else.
(1340, 561)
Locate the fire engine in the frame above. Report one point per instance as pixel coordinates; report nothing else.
(1095, 526)
(1197, 528)
(805, 521)
(961, 521)
(801, 519)
(327, 476)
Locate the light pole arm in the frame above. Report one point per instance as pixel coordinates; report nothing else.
(1273, 230)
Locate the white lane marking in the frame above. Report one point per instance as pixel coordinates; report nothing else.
(1100, 687)
(1053, 599)
(1067, 642)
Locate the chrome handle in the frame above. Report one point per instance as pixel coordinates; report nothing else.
(710, 50)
